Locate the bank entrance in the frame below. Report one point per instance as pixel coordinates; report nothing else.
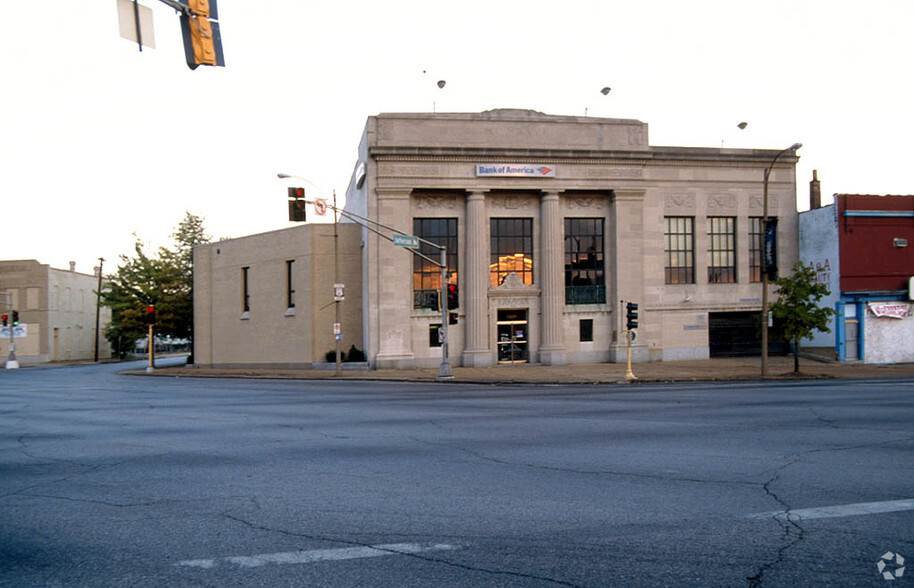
(513, 336)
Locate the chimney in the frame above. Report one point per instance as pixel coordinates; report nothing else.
(72, 266)
(815, 191)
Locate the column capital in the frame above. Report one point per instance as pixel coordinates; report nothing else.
(550, 194)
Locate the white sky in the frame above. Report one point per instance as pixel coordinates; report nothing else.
(99, 141)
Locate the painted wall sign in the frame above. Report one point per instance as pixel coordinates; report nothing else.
(891, 310)
(515, 170)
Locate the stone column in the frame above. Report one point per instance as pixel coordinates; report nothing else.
(552, 348)
(626, 237)
(474, 281)
(389, 317)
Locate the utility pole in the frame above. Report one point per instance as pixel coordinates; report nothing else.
(98, 302)
(336, 280)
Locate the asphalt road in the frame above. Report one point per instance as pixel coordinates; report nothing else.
(109, 480)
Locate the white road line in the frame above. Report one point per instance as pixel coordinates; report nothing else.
(844, 510)
(304, 557)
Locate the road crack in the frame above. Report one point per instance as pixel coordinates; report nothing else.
(793, 533)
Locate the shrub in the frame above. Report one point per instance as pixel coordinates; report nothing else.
(355, 354)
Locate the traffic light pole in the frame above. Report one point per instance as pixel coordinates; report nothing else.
(151, 351)
(445, 368)
(629, 337)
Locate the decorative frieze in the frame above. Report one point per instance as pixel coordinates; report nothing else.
(435, 201)
(722, 203)
(679, 202)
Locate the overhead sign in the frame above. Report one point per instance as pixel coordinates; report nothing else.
(406, 241)
(515, 170)
(19, 332)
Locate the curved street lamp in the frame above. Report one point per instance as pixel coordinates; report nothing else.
(764, 260)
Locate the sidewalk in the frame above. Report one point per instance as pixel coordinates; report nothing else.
(705, 370)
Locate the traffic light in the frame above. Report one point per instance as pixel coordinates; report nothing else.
(6, 319)
(297, 205)
(200, 31)
(15, 318)
(631, 316)
(150, 315)
(453, 300)
(452, 318)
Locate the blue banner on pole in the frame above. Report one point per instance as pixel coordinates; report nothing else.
(771, 248)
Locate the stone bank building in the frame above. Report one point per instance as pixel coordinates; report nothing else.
(550, 222)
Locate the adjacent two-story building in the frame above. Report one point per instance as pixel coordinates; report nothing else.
(550, 223)
(861, 248)
(58, 310)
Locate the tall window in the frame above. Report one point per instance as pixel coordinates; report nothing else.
(290, 285)
(245, 293)
(511, 241)
(679, 247)
(584, 277)
(756, 241)
(427, 275)
(721, 250)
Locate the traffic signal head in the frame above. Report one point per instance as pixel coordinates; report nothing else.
(453, 299)
(297, 210)
(150, 314)
(15, 318)
(200, 31)
(296, 192)
(452, 318)
(6, 319)
(631, 316)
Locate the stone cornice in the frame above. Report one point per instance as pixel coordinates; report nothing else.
(675, 157)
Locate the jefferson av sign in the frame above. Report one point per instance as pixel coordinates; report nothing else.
(515, 170)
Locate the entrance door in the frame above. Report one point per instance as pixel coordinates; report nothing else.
(852, 339)
(513, 336)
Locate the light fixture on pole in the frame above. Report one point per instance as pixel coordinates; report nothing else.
(764, 256)
(337, 287)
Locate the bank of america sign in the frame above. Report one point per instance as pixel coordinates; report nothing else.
(515, 170)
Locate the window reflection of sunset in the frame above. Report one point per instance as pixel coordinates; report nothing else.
(506, 264)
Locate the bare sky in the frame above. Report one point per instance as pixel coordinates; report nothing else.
(99, 141)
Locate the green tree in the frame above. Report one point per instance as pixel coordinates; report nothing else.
(165, 282)
(188, 234)
(797, 310)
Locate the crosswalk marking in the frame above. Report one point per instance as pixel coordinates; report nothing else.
(316, 555)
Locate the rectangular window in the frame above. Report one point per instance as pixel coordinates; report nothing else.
(584, 276)
(427, 275)
(756, 240)
(511, 251)
(679, 247)
(434, 339)
(245, 294)
(290, 284)
(721, 250)
(757, 246)
(586, 329)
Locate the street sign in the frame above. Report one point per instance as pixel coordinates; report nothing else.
(128, 15)
(19, 332)
(406, 241)
(320, 207)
